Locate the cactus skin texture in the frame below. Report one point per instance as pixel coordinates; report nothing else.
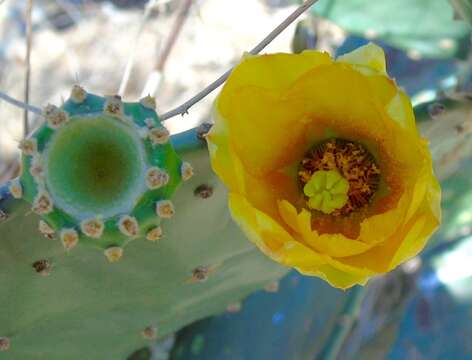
(99, 170)
(60, 305)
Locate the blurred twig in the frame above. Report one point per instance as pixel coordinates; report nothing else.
(29, 38)
(154, 79)
(20, 104)
(183, 109)
(130, 63)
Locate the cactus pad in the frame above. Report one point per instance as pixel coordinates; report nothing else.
(100, 172)
(59, 305)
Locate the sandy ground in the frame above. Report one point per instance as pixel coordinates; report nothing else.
(95, 51)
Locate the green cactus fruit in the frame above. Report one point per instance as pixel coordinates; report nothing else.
(73, 305)
(100, 172)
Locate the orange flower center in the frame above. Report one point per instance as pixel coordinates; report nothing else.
(353, 162)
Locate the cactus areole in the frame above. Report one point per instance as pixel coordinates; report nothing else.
(98, 168)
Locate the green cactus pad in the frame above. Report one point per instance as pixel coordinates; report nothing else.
(99, 170)
(57, 305)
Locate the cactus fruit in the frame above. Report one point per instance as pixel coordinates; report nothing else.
(98, 171)
(59, 305)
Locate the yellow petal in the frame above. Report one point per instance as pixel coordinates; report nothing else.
(400, 110)
(370, 55)
(339, 98)
(223, 160)
(334, 245)
(407, 241)
(335, 277)
(250, 219)
(427, 221)
(274, 109)
(252, 93)
(250, 115)
(275, 72)
(289, 215)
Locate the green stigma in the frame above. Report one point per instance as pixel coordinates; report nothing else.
(326, 191)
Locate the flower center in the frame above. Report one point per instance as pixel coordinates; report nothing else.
(339, 177)
(326, 191)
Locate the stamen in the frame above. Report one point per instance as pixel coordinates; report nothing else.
(352, 162)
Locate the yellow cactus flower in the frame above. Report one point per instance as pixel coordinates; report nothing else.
(325, 168)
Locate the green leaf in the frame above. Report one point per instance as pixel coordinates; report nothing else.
(424, 27)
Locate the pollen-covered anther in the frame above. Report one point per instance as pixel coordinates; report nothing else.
(46, 230)
(4, 343)
(165, 209)
(154, 234)
(37, 168)
(113, 105)
(42, 203)
(339, 177)
(69, 238)
(28, 146)
(78, 94)
(186, 171)
(128, 225)
(158, 135)
(156, 178)
(55, 116)
(148, 102)
(42, 267)
(15, 188)
(92, 227)
(114, 253)
(150, 332)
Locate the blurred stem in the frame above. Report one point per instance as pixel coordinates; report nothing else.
(131, 57)
(29, 37)
(154, 79)
(174, 34)
(20, 104)
(183, 109)
(346, 320)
